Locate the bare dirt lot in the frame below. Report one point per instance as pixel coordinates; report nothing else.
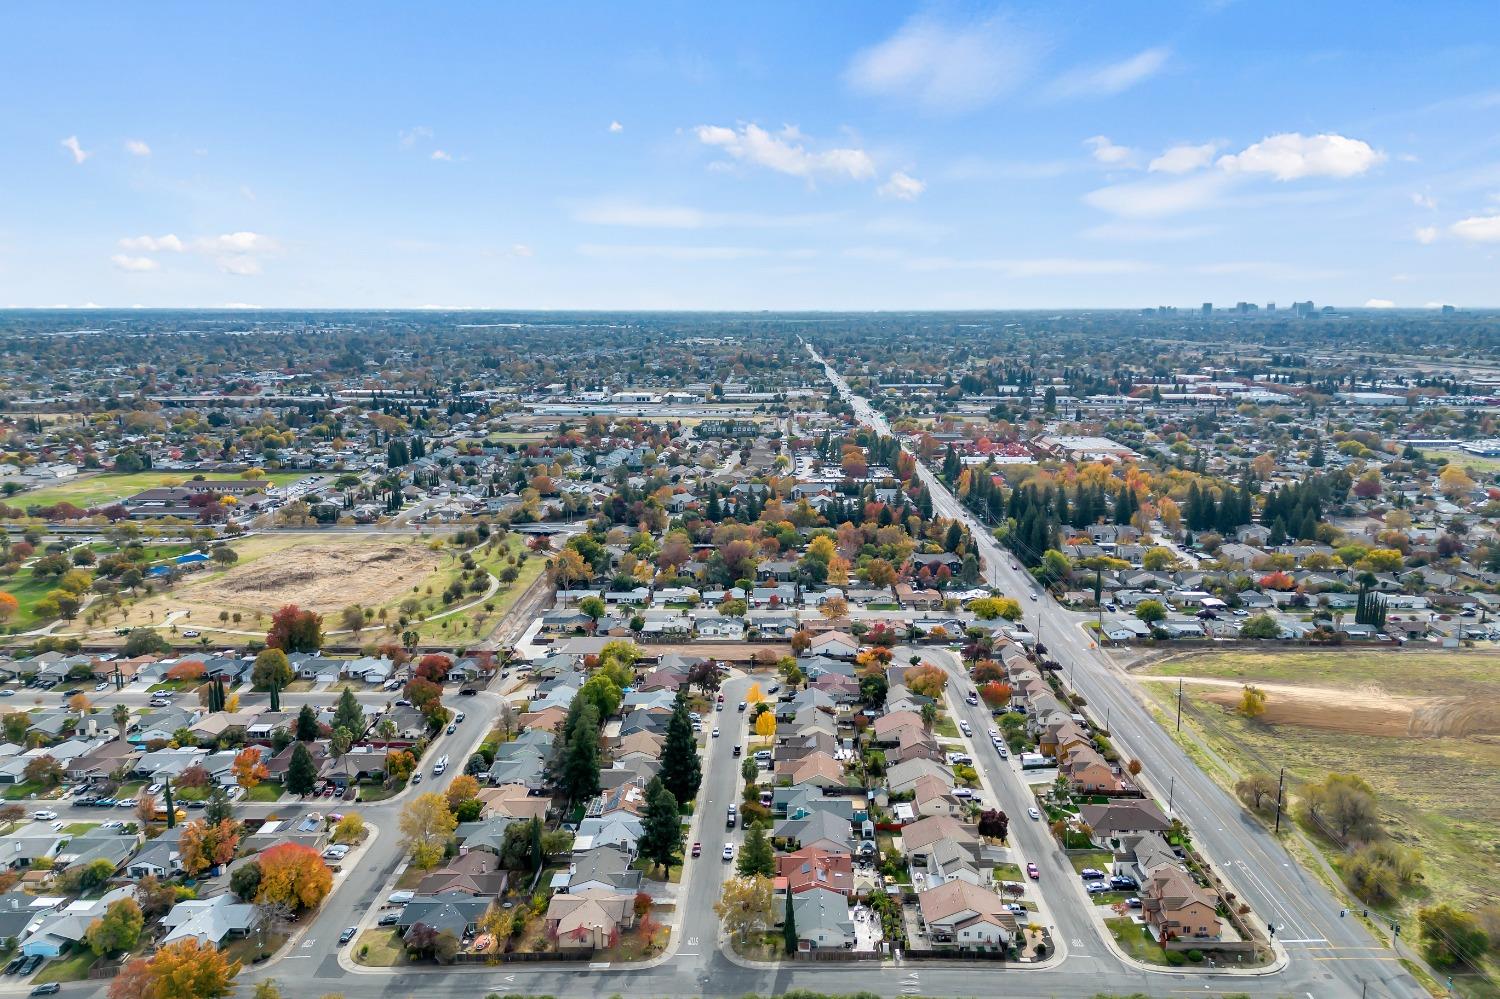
(321, 579)
(321, 574)
(1368, 709)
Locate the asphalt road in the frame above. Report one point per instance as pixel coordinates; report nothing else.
(1327, 954)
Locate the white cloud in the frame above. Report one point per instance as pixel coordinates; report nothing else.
(409, 137)
(1131, 232)
(238, 305)
(137, 147)
(1106, 152)
(947, 67)
(618, 251)
(125, 262)
(237, 252)
(616, 127)
(521, 250)
(1426, 234)
(1292, 156)
(238, 242)
(1423, 201)
(72, 146)
(1379, 303)
(240, 264)
(439, 154)
(152, 244)
(1041, 267)
(785, 152)
(1478, 229)
(1112, 78)
(646, 216)
(1184, 159)
(902, 186)
(1158, 199)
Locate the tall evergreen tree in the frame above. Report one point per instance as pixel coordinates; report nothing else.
(307, 724)
(349, 715)
(681, 769)
(661, 826)
(757, 856)
(301, 773)
(789, 927)
(581, 765)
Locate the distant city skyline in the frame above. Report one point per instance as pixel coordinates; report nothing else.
(831, 157)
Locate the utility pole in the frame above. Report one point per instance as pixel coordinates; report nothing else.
(1171, 794)
(1280, 785)
(1179, 705)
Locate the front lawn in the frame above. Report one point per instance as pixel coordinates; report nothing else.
(380, 947)
(945, 728)
(1098, 860)
(264, 791)
(1136, 940)
(16, 792)
(72, 967)
(79, 828)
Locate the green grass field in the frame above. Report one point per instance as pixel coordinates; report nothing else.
(28, 591)
(1476, 465)
(97, 490)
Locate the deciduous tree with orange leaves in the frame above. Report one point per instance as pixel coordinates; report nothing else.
(293, 874)
(927, 680)
(248, 769)
(461, 790)
(183, 969)
(202, 845)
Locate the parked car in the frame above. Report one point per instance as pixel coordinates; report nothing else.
(1097, 887)
(1123, 883)
(716, 731)
(102, 685)
(1091, 874)
(389, 919)
(697, 849)
(468, 692)
(15, 964)
(1033, 873)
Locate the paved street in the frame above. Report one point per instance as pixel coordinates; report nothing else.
(1325, 951)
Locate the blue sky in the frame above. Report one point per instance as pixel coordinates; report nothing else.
(767, 155)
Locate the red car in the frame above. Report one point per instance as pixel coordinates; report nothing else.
(1033, 873)
(697, 849)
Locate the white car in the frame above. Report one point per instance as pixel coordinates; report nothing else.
(1034, 813)
(728, 851)
(45, 815)
(102, 685)
(716, 731)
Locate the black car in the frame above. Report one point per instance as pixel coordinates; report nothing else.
(32, 963)
(468, 692)
(197, 804)
(737, 750)
(1123, 883)
(46, 989)
(15, 964)
(347, 935)
(389, 919)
